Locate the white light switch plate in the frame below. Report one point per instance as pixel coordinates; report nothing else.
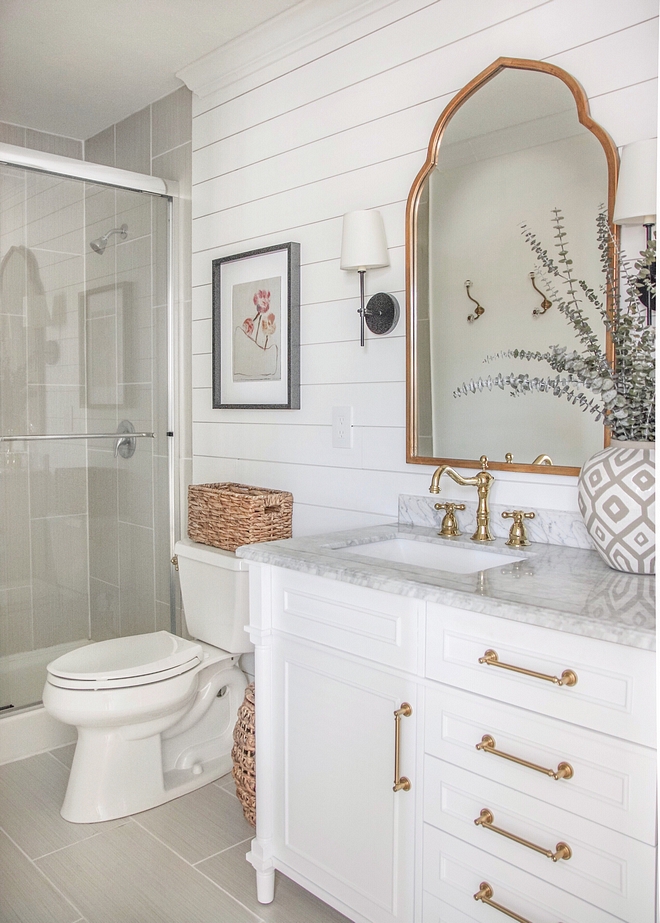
(342, 427)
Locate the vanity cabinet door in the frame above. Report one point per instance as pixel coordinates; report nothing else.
(338, 824)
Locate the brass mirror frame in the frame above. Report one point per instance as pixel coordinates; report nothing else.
(612, 157)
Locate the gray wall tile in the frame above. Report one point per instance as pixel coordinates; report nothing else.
(100, 148)
(53, 144)
(172, 121)
(133, 142)
(12, 134)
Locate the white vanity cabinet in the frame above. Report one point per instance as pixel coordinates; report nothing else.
(560, 776)
(327, 813)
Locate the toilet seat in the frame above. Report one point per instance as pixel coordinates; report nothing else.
(135, 660)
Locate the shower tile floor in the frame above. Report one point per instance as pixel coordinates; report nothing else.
(182, 862)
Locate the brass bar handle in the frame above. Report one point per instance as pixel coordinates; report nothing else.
(485, 894)
(563, 771)
(568, 677)
(401, 783)
(561, 850)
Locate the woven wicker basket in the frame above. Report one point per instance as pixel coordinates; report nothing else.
(243, 755)
(227, 515)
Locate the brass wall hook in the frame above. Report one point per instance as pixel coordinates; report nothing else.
(479, 310)
(545, 304)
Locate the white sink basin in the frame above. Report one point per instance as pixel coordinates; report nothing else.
(449, 558)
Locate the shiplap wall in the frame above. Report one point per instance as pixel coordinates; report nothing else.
(343, 124)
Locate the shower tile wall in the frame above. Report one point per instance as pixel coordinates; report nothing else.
(156, 140)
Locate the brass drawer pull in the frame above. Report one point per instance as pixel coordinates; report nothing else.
(485, 893)
(568, 677)
(485, 820)
(400, 782)
(563, 771)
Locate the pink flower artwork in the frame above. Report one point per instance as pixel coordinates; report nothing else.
(262, 301)
(256, 310)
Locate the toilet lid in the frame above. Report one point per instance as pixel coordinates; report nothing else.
(130, 661)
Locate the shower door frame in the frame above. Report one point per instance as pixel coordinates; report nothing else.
(102, 175)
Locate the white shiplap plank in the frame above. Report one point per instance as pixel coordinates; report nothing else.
(628, 115)
(305, 445)
(380, 359)
(374, 404)
(616, 60)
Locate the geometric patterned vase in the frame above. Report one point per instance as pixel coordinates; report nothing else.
(616, 497)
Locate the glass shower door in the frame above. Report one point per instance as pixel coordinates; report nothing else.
(84, 524)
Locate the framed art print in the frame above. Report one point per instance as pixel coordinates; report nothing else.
(256, 329)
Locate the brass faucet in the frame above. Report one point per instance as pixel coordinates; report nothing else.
(482, 482)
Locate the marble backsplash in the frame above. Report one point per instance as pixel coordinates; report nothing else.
(550, 527)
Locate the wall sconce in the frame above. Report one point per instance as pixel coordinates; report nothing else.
(636, 197)
(364, 246)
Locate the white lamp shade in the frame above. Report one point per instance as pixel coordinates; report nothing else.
(636, 192)
(363, 241)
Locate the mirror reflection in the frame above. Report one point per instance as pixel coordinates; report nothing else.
(513, 152)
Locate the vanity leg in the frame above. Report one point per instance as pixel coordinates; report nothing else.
(265, 886)
(262, 863)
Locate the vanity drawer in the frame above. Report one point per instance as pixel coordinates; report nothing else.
(454, 872)
(615, 688)
(368, 623)
(613, 781)
(605, 868)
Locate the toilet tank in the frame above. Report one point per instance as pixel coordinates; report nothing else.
(214, 588)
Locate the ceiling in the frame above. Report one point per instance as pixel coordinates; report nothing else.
(73, 67)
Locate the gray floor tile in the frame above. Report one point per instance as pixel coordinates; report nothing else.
(292, 903)
(26, 895)
(31, 795)
(64, 754)
(126, 876)
(199, 824)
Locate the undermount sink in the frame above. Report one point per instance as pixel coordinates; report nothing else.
(449, 558)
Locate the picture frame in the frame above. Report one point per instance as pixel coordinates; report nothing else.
(256, 329)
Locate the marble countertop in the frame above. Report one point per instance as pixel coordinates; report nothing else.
(555, 586)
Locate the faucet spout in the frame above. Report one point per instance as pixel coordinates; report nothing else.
(482, 481)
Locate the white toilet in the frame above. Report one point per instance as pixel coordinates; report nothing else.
(155, 713)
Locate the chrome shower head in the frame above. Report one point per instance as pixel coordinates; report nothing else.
(99, 245)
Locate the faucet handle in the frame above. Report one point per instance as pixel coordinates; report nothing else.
(517, 533)
(449, 522)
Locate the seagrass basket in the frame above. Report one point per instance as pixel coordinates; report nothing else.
(243, 755)
(227, 515)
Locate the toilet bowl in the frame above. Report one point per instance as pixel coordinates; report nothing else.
(155, 712)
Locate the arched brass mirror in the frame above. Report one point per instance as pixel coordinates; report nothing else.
(515, 144)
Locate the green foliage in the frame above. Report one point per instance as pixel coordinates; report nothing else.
(621, 392)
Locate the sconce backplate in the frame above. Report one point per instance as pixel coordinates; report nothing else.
(382, 313)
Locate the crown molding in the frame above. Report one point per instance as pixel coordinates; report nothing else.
(271, 43)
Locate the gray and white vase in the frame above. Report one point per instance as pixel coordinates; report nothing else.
(616, 497)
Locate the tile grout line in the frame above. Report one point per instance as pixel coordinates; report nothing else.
(44, 876)
(232, 896)
(220, 852)
(199, 872)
